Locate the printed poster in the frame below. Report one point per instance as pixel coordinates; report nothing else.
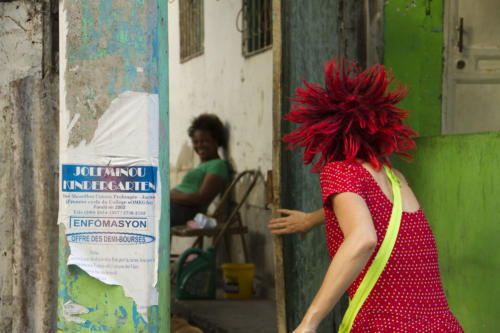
(110, 199)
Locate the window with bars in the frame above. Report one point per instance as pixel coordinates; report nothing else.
(191, 28)
(257, 26)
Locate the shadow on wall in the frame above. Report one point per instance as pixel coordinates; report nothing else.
(185, 162)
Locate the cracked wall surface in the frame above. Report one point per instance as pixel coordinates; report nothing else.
(28, 159)
(21, 40)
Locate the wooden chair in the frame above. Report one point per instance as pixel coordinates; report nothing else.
(226, 211)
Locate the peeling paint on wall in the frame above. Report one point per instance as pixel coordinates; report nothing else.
(110, 195)
(107, 47)
(109, 310)
(107, 52)
(71, 310)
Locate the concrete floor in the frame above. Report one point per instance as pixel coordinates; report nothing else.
(228, 316)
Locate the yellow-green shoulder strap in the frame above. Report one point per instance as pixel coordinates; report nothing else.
(380, 259)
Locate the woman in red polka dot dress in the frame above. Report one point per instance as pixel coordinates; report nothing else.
(354, 124)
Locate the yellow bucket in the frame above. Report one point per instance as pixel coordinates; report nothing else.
(238, 280)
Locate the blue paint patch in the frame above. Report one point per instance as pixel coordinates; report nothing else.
(152, 69)
(139, 322)
(135, 41)
(123, 313)
(87, 324)
(103, 327)
(438, 30)
(153, 312)
(64, 284)
(137, 317)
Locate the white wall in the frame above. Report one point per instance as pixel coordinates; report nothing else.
(222, 81)
(239, 91)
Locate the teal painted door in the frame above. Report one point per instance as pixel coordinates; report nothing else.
(309, 39)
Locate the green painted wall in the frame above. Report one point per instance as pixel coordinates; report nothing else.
(454, 177)
(413, 36)
(306, 47)
(457, 182)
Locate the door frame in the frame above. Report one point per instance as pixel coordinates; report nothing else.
(279, 272)
(446, 85)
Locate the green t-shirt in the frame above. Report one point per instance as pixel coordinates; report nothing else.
(192, 181)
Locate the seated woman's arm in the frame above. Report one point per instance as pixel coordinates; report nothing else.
(211, 186)
(360, 239)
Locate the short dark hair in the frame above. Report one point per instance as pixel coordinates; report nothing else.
(211, 123)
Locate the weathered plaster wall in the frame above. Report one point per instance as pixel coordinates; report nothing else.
(457, 182)
(28, 160)
(239, 91)
(107, 47)
(21, 42)
(413, 34)
(106, 56)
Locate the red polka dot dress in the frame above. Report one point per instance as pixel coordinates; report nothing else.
(408, 296)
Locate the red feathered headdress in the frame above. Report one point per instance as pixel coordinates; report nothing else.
(353, 117)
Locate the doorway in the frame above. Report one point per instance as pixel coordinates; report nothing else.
(471, 78)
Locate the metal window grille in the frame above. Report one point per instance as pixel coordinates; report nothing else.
(191, 28)
(257, 26)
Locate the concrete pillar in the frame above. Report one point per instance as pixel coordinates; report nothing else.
(108, 47)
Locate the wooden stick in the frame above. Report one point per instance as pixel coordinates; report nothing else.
(279, 274)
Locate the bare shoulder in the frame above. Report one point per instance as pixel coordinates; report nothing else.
(400, 176)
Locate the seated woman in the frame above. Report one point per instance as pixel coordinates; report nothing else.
(201, 184)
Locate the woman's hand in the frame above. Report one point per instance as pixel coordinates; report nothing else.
(304, 328)
(295, 222)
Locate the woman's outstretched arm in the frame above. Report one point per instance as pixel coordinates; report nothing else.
(360, 239)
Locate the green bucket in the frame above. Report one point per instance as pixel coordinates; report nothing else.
(196, 278)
